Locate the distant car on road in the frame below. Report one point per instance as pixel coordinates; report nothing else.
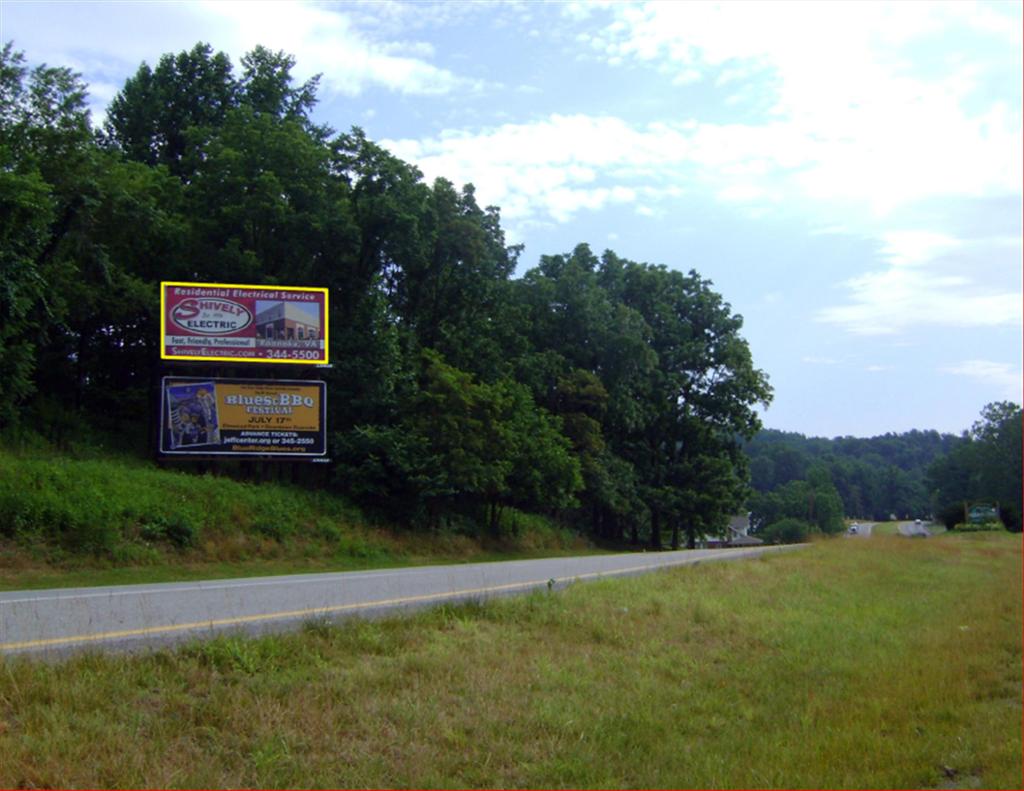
(917, 521)
(854, 529)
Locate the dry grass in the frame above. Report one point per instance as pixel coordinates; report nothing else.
(868, 664)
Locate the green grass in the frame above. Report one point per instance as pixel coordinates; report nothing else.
(869, 664)
(100, 519)
(885, 529)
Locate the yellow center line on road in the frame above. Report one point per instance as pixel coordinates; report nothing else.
(311, 611)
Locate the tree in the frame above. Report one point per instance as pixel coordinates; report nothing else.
(25, 217)
(266, 87)
(816, 503)
(987, 466)
(44, 139)
(162, 116)
(470, 448)
(698, 401)
(874, 476)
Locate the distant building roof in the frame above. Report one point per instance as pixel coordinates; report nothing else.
(733, 538)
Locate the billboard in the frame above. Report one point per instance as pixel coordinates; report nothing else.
(242, 417)
(235, 323)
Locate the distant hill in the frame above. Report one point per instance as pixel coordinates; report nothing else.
(875, 476)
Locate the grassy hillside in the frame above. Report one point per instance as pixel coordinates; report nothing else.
(886, 663)
(108, 519)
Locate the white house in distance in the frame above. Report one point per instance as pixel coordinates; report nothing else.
(737, 534)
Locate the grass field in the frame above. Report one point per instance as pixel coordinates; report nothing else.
(883, 663)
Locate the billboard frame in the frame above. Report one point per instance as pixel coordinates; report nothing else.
(324, 360)
(203, 452)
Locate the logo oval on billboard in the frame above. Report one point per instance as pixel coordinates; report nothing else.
(211, 316)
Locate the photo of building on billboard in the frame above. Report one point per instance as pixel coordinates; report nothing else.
(284, 323)
(243, 417)
(235, 323)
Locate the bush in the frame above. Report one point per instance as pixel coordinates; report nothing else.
(276, 529)
(181, 532)
(962, 527)
(176, 529)
(787, 531)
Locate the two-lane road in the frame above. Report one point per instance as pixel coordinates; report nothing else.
(863, 530)
(136, 616)
(913, 529)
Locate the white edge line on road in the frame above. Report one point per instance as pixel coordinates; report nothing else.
(150, 631)
(291, 579)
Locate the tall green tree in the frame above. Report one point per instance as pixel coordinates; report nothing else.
(163, 115)
(466, 448)
(699, 401)
(45, 146)
(986, 467)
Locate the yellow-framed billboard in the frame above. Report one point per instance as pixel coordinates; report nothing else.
(224, 322)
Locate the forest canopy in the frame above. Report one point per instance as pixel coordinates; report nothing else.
(616, 395)
(612, 393)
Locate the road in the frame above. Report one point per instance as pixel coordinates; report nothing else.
(863, 530)
(906, 528)
(911, 529)
(131, 617)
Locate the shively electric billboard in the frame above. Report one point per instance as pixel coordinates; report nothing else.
(233, 323)
(242, 417)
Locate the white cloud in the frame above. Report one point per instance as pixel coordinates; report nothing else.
(929, 281)
(522, 167)
(326, 41)
(564, 202)
(1003, 377)
(909, 248)
(323, 39)
(877, 368)
(819, 360)
(851, 118)
(896, 299)
(741, 193)
(848, 101)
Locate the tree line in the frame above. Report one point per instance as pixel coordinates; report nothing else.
(915, 474)
(614, 394)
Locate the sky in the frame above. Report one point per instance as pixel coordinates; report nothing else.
(848, 175)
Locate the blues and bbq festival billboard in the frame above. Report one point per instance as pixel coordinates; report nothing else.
(243, 417)
(237, 323)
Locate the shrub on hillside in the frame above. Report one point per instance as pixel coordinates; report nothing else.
(94, 506)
